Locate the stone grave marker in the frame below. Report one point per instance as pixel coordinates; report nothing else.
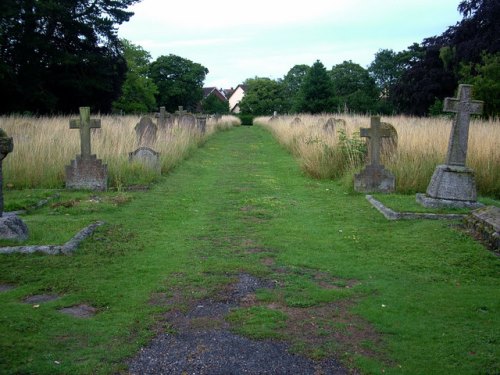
(147, 157)
(329, 127)
(485, 224)
(164, 119)
(187, 120)
(374, 178)
(453, 184)
(11, 227)
(296, 121)
(389, 144)
(146, 131)
(86, 171)
(274, 117)
(201, 124)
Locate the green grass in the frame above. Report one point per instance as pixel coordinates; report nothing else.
(407, 297)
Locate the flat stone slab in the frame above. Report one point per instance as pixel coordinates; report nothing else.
(6, 287)
(430, 202)
(394, 215)
(40, 298)
(79, 311)
(485, 224)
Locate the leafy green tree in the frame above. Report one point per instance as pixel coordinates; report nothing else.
(138, 90)
(179, 82)
(485, 77)
(292, 83)
(353, 87)
(57, 55)
(316, 91)
(262, 97)
(213, 104)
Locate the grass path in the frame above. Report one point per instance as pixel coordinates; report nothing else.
(403, 297)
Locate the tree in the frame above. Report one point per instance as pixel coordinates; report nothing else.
(353, 87)
(179, 82)
(316, 90)
(138, 90)
(262, 97)
(213, 104)
(57, 55)
(485, 77)
(292, 82)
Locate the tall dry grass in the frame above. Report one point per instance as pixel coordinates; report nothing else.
(422, 144)
(43, 146)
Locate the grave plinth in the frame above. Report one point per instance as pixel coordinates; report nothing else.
(374, 178)
(86, 171)
(11, 227)
(453, 184)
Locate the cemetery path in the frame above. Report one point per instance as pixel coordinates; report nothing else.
(230, 190)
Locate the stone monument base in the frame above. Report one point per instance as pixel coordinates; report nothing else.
(374, 179)
(430, 202)
(87, 173)
(13, 228)
(451, 186)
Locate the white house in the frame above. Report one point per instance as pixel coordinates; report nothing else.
(235, 98)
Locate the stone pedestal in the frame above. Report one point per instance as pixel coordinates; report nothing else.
(375, 179)
(13, 228)
(451, 186)
(87, 173)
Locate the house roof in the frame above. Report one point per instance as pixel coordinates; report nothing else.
(215, 91)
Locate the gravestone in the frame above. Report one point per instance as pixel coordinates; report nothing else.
(453, 184)
(164, 119)
(187, 120)
(146, 131)
(374, 178)
(274, 117)
(147, 157)
(484, 223)
(389, 144)
(296, 121)
(11, 227)
(329, 127)
(86, 171)
(201, 124)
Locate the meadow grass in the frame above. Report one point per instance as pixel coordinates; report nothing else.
(422, 144)
(393, 297)
(43, 146)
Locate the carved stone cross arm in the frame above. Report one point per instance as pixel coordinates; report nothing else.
(85, 124)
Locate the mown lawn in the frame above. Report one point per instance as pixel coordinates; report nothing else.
(409, 297)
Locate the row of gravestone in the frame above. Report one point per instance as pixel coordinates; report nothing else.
(452, 184)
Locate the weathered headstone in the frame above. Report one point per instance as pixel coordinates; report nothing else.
(296, 121)
(389, 144)
(147, 157)
(201, 124)
(187, 120)
(11, 227)
(329, 127)
(86, 171)
(164, 119)
(453, 184)
(146, 131)
(374, 178)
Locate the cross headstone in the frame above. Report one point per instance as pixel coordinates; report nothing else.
(463, 106)
(86, 171)
(181, 111)
(85, 124)
(375, 134)
(162, 118)
(374, 178)
(453, 184)
(11, 227)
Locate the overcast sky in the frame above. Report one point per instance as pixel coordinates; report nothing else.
(236, 40)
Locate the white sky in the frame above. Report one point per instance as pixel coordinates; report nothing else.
(236, 40)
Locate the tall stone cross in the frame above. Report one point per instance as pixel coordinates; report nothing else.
(375, 133)
(85, 124)
(463, 106)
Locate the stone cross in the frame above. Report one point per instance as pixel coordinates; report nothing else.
(6, 147)
(375, 133)
(463, 106)
(85, 124)
(162, 117)
(181, 111)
